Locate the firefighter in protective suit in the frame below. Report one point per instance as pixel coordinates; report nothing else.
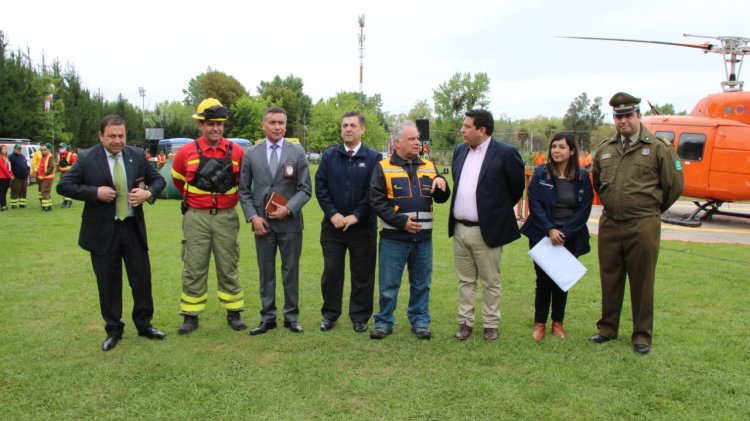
(206, 173)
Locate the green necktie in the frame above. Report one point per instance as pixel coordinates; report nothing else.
(121, 186)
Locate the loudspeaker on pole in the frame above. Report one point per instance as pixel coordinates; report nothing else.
(423, 125)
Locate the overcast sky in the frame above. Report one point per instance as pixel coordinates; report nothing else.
(410, 47)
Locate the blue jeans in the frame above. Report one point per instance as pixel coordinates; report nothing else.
(393, 256)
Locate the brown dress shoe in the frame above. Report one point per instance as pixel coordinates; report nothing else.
(538, 332)
(464, 331)
(557, 330)
(490, 333)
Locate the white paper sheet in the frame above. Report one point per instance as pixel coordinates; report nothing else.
(558, 263)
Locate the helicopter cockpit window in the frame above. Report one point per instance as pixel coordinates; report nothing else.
(666, 135)
(691, 146)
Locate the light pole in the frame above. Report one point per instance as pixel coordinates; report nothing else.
(48, 99)
(142, 93)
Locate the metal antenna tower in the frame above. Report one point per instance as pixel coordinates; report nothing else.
(361, 48)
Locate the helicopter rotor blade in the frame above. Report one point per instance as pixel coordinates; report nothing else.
(705, 46)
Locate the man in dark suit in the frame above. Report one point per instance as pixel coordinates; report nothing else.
(115, 180)
(279, 166)
(488, 180)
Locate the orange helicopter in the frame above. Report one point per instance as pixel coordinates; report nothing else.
(713, 142)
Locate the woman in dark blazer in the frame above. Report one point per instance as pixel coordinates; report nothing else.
(560, 196)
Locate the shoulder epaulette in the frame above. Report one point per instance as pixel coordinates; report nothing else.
(664, 140)
(607, 140)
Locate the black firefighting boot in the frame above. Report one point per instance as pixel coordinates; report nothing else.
(189, 325)
(235, 321)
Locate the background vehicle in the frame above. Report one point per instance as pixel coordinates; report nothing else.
(713, 142)
(170, 147)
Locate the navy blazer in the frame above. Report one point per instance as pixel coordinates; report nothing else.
(542, 196)
(342, 183)
(500, 187)
(90, 171)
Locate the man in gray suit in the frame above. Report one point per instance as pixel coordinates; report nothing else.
(276, 166)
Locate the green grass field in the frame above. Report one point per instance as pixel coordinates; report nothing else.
(51, 365)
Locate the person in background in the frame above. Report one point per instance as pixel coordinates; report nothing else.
(20, 180)
(6, 175)
(65, 161)
(538, 159)
(560, 195)
(36, 158)
(45, 175)
(585, 161)
(161, 159)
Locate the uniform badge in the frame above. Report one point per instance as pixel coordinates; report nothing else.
(645, 151)
(678, 165)
(606, 155)
(289, 169)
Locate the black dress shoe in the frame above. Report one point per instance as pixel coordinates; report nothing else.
(326, 324)
(263, 327)
(110, 342)
(360, 327)
(599, 339)
(642, 349)
(152, 333)
(293, 326)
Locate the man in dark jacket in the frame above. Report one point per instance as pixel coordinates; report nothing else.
(401, 194)
(488, 179)
(20, 169)
(341, 187)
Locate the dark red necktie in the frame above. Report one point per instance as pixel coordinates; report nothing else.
(350, 153)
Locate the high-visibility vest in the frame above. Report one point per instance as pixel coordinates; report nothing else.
(407, 197)
(70, 157)
(46, 169)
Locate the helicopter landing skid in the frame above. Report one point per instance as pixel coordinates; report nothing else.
(709, 208)
(685, 221)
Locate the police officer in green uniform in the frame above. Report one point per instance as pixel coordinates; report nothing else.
(638, 176)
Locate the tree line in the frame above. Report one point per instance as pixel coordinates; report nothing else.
(75, 112)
